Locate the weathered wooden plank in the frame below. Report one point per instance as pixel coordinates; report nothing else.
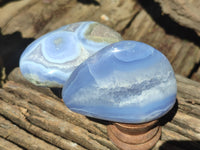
(47, 119)
(196, 75)
(182, 54)
(13, 133)
(7, 145)
(37, 114)
(34, 18)
(42, 16)
(184, 12)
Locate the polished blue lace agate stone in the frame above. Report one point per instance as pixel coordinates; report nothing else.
(50, 60)
(127, 81)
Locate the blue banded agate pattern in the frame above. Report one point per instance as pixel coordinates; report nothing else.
(127, 81)
(50, 60)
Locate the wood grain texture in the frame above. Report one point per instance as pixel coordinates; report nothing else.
(30, 116)
(184, 12)
(182, 54)
(135, 20)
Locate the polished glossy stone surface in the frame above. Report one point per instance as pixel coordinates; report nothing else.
(49, 60)
(127, 81)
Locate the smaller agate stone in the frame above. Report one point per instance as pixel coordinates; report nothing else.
(127, 81)
(50, 60)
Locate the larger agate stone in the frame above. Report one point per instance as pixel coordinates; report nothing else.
(50, 60)
(127, 81)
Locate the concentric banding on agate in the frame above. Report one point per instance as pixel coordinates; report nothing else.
(45, 73)
(129, 52)
(61, 47)
(94, 39)
(33, 45)
(50, 60)
(107, 86)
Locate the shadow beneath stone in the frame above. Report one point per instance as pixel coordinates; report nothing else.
(4, 2)
(12, 46)
(57, 92)
(88, 2)
(180, 145)
(170, 115)
(104, 122)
